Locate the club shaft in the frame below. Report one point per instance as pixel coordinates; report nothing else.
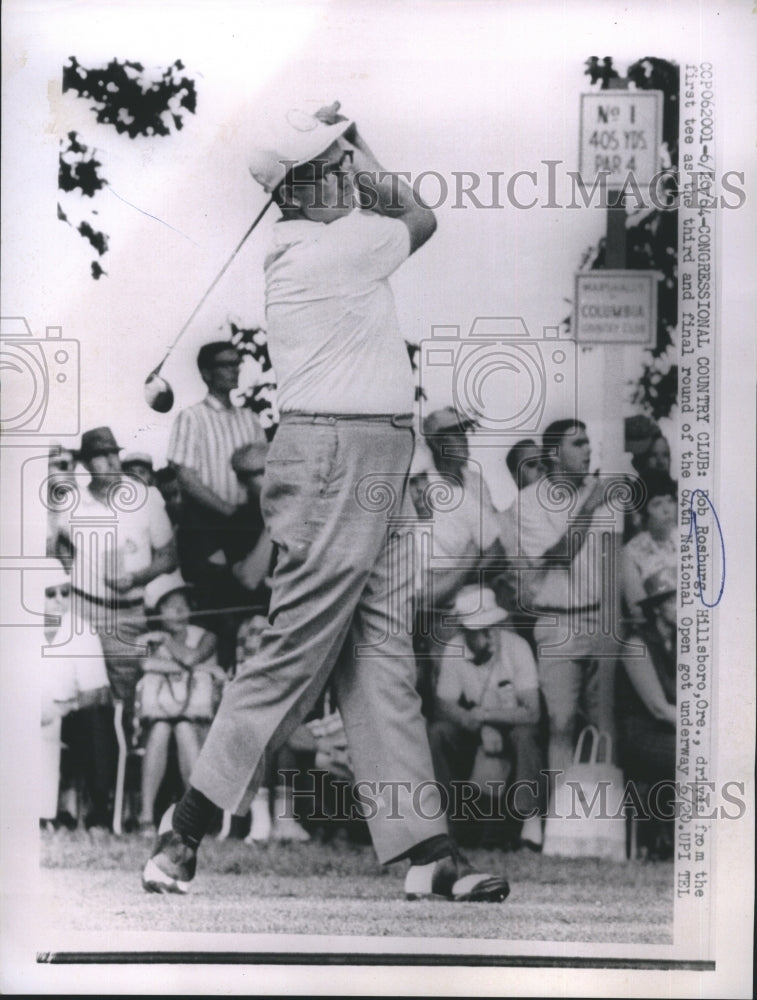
(218, 277)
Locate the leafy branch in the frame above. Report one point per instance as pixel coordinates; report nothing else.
(133, 100)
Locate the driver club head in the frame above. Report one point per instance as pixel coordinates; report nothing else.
(158, 393)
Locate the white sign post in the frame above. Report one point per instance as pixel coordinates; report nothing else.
(619, 147)
(621, 134)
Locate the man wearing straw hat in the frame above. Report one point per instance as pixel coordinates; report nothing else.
(345, 441)
(121, 539)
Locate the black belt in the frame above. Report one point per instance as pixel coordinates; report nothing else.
(586, 609)
(110, 602)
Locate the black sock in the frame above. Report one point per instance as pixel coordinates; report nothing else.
(192, 816)
(440, 846)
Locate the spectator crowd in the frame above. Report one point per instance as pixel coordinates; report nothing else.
(528, 623)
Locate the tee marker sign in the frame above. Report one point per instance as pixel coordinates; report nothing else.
(621, 134)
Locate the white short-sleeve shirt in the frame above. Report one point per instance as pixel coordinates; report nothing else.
(333, 332)
(581, 584)
(119, 540)
(464, 522)
(511, 666)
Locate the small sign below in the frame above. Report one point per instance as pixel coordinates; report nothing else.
(621, 134)
(616, 307)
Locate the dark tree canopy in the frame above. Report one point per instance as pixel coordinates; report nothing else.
(412, 352)
(260, 397)
(136, 103)
(78, 167)
(122, 97)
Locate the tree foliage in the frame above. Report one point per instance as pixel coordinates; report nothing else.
(124, 96)
(133, 100)
(78, 168)
(412, 352)
(260, 391)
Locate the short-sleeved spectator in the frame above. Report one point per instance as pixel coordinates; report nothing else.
(203, 439)
(487, 705)
(186, 652)
(569, 588)
(118, 548)
(655, 547)
(646, 697)
(526, 463)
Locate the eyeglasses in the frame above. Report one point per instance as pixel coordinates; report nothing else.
(62, 590)
(228, 364)
(249, 473)
(322, 171)
(347, 157)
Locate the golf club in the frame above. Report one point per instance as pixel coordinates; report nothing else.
(158, 392)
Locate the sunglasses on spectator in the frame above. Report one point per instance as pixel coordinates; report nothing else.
(62, 590)
(248, 473)
(236, 363)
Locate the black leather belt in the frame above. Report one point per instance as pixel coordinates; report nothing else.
(110, 602)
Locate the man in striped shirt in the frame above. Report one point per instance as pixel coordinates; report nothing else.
(203, 438)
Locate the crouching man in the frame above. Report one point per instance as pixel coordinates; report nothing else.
(485, 728)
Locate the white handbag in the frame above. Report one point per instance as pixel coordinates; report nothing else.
(586, 816)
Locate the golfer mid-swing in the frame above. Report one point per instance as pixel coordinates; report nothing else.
(345, 394)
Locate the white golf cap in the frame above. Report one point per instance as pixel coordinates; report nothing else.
(161, 586)
(293, 138)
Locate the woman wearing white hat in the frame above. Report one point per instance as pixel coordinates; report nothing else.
(176, 693)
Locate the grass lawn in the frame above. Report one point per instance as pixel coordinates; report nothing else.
(92, 883)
